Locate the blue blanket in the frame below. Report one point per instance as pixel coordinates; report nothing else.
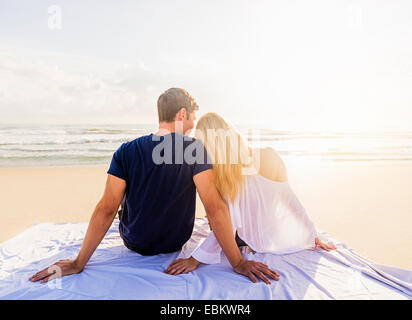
(114, 272)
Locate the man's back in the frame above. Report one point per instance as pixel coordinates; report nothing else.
(160, 198)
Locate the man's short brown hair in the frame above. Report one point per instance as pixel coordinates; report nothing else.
(171, 101)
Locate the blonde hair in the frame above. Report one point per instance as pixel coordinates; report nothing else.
(227, 158)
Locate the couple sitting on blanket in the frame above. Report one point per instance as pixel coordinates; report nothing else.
(245, 193)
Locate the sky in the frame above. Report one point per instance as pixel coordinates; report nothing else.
(287, 65)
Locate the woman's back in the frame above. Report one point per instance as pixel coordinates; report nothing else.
(267, 214)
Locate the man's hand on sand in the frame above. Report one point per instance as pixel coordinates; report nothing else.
(57, 270)
(253, 270)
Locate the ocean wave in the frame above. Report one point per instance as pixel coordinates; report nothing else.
(367, 159)
(64, 142)
(31, 150)
(67, 156)
(95, 144)
(106, 131)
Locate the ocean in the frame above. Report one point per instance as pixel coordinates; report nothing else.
(67, 145)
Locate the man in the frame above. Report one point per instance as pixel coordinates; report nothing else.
(159, 188)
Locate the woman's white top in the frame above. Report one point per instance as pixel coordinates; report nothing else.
(266, 215)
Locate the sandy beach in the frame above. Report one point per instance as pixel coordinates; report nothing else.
(366, 205)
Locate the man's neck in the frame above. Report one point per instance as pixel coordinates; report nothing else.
(168, 127)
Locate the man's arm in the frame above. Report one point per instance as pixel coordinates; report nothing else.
(220, 222)
(100, 222)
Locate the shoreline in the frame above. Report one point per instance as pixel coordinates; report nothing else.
(288, 160)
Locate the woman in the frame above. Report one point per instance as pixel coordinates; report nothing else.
(265, 212)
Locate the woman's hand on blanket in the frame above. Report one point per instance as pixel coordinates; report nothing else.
(182, 266)
(253, 269)
(324, 246)
(57, 270)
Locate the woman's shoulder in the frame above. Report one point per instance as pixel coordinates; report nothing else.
(267, 153)
(271, 164)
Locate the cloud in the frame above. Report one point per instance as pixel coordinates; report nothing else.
(49, 86)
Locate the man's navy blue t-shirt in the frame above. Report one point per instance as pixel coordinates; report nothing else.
(160, 199)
